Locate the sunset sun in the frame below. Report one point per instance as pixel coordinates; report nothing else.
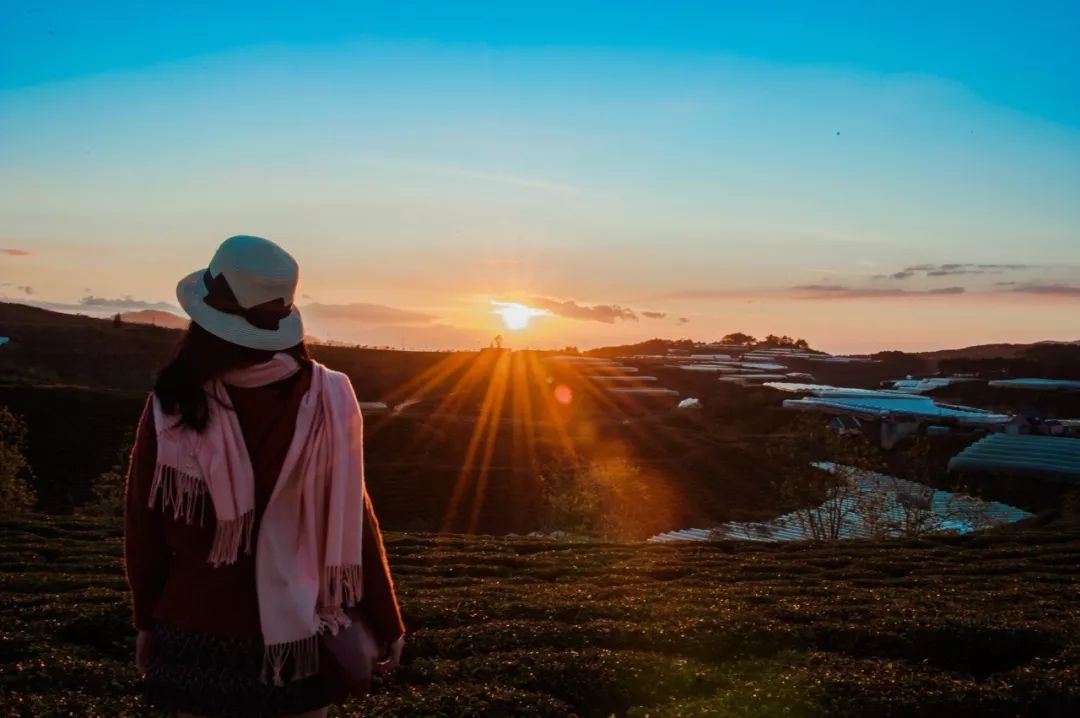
(516, 316)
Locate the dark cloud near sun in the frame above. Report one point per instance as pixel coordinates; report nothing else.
(16, 252)
(367, 313)
(605, 313)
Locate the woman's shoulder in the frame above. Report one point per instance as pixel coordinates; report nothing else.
(332, 378)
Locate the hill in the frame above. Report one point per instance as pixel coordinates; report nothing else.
(989, 351)
(155, 317)
(981, 626)
(465, 455)
(474, 437)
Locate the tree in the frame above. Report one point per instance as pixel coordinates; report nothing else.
(824, 502)
(117, 321)
(738, 338)
(854, 490)
(16, 494)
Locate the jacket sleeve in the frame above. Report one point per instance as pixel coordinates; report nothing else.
(379, 601)
(146, 554)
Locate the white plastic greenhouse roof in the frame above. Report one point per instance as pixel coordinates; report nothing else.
(642, 391)
(1050, 457)
(1040, 384)
(833, 391)
(880, 506)
(920, 386)
(901, 405)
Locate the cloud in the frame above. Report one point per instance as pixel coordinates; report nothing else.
(654, 315)
(1060, 290)
(606, 313)
(124, 302)
(683, 320)
(904, 274)
(367, 313)
(952, 269)
(835, 291)
(954, 272)
(25, 289)
(16, 252)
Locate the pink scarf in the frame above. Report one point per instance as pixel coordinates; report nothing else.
(307, 562)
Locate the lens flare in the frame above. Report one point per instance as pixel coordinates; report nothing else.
(564, 394)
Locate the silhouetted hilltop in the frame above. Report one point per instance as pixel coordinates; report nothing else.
(990, 351)
(157, 318)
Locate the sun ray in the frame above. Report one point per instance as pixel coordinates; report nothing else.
(494, 393)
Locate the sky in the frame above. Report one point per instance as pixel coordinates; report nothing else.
(865, 175)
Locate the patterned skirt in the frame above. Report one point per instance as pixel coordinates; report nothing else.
(219, 677)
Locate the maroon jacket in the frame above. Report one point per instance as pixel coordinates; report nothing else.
(170, 578)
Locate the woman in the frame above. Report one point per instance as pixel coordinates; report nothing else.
(250, 540)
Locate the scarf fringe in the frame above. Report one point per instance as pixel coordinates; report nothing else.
(305, 660)
(229, 537)
(342, 585)
(185, 493)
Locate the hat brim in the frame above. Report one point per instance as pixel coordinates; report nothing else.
(191, 293)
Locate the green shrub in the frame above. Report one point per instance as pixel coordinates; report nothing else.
(16, 495)
(107, 491)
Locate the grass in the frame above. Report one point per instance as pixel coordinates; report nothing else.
(978, 626)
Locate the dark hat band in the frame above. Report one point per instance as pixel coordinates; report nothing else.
(267, 315)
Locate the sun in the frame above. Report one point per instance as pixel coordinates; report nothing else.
(516, 316)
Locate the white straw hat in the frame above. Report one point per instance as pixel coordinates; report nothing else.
(246, 295)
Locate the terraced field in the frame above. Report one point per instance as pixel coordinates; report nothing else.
(978, 626)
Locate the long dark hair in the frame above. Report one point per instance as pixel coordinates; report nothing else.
(200, 357)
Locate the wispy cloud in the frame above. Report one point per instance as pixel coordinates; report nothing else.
(367, 313)
(954, 269)
(903, 274)
(1060, 290)
(25, 289)
(124, 302)
(654, 315)
(835, 291)
(683, 320)
(606, 313)
(16, 252)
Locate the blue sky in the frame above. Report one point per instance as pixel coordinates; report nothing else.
(730, 166)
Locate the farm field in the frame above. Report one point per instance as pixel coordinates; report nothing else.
(978, 626)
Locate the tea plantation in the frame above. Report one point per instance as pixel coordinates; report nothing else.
(978, 626)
